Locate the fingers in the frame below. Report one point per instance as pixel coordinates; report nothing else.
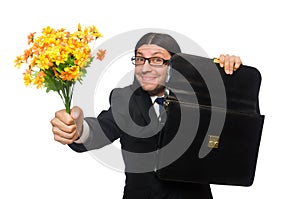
(237, 63)
(230, 63)
(64, 137)
(64, 128)
(64, 117)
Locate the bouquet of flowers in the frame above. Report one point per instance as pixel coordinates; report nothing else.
(57, 59)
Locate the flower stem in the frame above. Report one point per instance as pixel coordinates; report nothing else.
(66, 94)
(68, 105)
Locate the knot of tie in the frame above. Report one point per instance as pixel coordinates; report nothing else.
(160, 100)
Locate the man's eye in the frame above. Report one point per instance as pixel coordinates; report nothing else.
(157, 60)
(139, 59)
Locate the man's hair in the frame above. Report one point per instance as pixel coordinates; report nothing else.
(163, 40)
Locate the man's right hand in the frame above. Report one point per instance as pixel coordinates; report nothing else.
(66, 127)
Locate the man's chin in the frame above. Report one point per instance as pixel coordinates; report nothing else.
(153, 90)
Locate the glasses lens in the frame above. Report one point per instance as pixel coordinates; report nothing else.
(153, 61)
(138, 60)
(156, 61)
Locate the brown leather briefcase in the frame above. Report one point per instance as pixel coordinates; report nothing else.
(213, 128)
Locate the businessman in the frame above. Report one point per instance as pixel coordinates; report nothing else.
(133, 119)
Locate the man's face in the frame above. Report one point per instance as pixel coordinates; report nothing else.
(152, 78)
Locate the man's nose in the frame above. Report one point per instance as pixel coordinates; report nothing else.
(146, 67)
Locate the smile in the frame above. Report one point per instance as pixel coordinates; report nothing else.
(147, 79)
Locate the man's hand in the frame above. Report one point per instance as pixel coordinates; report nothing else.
(66, 127)
(230, 63)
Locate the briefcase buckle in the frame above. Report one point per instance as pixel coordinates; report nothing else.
(213, 141)
(216, 60)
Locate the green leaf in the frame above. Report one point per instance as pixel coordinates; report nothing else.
(52, 84)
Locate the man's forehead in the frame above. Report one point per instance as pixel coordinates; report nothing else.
(151, 47)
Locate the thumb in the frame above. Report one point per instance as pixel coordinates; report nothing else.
(76, 112)
(77, 115)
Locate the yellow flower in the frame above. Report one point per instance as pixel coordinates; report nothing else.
(27, 77)
(18, 61)
(95, 32)
(79, 27)
(48, 30)
(43, 62)
(39, 79)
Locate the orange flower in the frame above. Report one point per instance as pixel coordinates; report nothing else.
(27, 54)
(101, 54)
(55, 72)
(30, 38)
(70, 73)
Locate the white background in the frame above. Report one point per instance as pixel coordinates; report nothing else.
(264, 33)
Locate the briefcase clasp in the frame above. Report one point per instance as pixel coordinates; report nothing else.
(216, 60)
(213, 141)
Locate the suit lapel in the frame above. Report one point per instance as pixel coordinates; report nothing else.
(142, 102)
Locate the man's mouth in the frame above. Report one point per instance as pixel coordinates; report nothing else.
(148, 78)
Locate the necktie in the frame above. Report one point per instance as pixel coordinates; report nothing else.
(160, 101)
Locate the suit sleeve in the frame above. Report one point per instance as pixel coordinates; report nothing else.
(103, 131)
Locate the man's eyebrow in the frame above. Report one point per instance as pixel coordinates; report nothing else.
(156, 53)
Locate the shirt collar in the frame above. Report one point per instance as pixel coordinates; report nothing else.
(153, 98)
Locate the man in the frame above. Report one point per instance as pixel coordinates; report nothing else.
(129, 118)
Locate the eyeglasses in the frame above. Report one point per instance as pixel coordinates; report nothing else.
(153, 61)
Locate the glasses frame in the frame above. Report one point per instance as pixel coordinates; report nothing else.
(165, 62)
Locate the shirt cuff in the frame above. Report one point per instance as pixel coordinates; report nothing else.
(85, 133)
